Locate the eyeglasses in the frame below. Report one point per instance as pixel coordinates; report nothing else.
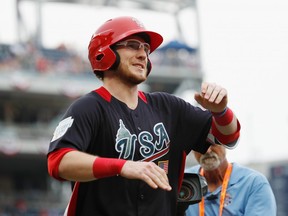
(135, 45)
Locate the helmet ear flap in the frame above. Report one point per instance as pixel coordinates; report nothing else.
(149, 67)
(116, 62)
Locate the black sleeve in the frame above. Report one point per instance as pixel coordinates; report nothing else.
(77, 126)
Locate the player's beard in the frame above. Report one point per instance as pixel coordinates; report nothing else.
(210, 161)
(130, 75)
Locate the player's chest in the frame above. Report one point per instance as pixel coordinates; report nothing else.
(138, 134)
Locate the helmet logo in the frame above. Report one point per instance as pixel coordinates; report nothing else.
(140, 24)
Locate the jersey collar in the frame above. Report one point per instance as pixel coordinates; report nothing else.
(103, 92)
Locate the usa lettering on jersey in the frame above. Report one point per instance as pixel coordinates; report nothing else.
(150, 149)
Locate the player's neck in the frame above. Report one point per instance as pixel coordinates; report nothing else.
(124, 93)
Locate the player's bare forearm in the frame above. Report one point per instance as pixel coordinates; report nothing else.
(77, 166)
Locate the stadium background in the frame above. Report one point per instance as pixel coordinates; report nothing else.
(39, 80)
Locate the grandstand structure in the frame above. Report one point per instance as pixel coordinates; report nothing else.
(37, 84)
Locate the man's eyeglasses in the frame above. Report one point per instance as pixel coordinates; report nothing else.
(135, 45)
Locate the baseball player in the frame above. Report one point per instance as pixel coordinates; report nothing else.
(124, 149)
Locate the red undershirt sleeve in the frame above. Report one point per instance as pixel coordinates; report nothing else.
(54, 159)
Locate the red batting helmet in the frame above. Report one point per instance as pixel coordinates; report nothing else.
(101, 56)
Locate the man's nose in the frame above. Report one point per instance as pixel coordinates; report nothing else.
(142, 50)
(142, 54)
(209, 150)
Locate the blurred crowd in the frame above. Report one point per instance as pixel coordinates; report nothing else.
(28, 57)
(20, 208)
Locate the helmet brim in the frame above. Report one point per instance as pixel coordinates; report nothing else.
(155, 39)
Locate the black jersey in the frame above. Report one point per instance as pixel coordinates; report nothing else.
(163, 128)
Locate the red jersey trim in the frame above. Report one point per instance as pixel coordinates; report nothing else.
(71, 209)
(104, 93)
(107, 96)
(182, 170)
(142, 96)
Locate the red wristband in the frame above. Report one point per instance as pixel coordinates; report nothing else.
(225, 139)
(106, 167)
(224, 118)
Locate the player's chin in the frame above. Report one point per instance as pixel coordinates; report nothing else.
(138, 80)
(140, 74)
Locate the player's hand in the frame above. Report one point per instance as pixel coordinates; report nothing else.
(149, 172)
(212, 97)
